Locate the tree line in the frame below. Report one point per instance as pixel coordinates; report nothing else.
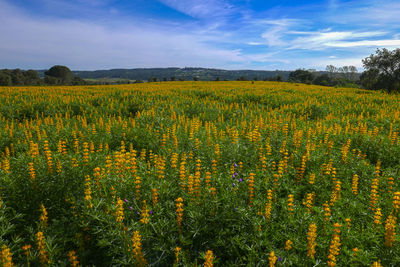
(56, 75)
(346, 76)
(381, 72)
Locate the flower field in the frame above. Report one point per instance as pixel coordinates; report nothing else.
(199, 174)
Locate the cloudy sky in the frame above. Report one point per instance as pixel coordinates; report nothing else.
(229, 34)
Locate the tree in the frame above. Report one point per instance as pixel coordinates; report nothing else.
(301, 76)
(17, 77)
(331, 70)
(369, 78)
(59, 75)
(323, 79)
(382, 70)
(31, 77)
(78, 81)
(5, 79)
(353, 72)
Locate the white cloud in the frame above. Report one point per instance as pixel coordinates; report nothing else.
(322, 39)
(204, 9)
(255, 43)
(276, 30)
(40, 43)
(371, 43)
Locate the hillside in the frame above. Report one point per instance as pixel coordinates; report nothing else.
(204, 74)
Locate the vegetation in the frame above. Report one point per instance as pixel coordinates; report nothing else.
(191, 173)
(382, 70)
(345, 76)
(56, 75)
(19, 77)
(175, 74)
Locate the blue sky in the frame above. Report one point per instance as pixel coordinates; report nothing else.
(228, 34)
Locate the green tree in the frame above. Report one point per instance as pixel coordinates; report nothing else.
(382, 70)
(323, 79)
(5, 79)
(59, 75)
(301, 76)
(17, 77)
(331, 70)
(31, 77)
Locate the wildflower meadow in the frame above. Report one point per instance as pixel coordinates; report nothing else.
(199, 174)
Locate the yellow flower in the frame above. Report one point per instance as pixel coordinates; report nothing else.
(209, 259)
(179, 211)
(119, 214)
(288, 245)
(272, 259)
(311, 237)
(177, 252)
(137, 249)
(41, 245)
(6, 257)
(73, 259)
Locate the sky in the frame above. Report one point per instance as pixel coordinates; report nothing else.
(225, 34)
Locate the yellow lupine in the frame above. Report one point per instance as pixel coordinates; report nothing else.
(41, 245)
(6, 257)
(311, 237)
(119, 213)
(137, 249)
(209, 259)
(272, 259)
(73, 259)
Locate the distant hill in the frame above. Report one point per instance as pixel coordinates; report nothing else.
(203, 74)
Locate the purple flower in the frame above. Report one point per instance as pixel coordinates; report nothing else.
(126, 201)
(235, 174)
(233, 184)
(150, 212)
(234, 164)
(137, 213)
(280, 258)
(130, 208)
(240, 180)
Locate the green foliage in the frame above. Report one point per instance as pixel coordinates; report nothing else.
(382, 70)
(138, 123)
(5, 80)
(19, 77)
(59, 75)
(301, 76)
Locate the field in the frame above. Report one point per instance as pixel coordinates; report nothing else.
(199, 173)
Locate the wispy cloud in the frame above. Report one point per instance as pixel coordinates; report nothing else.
(370, 43)
(82, 45)
(204, 9)
(327, 38)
